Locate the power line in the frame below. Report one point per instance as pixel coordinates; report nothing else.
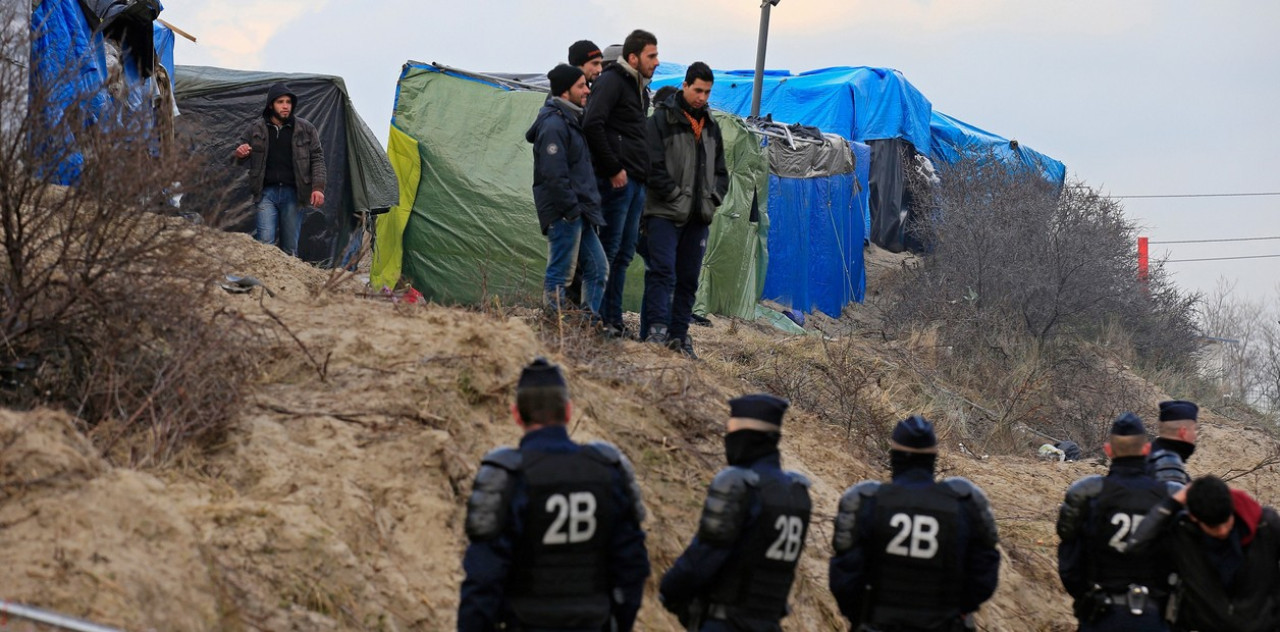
(1196, 195)
(1221, 258)
(1214, 241)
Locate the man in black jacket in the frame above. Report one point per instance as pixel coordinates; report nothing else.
(565, 193)
(1114, 591)
(1225, 547)
(914, 554)
(1176, 441)
(737, 573)
(553, 525)
(687, 181)
(286, 168)
(615, 128)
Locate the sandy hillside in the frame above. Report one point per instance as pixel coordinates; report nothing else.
(338, 502)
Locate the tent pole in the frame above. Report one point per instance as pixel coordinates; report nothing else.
(760, 46)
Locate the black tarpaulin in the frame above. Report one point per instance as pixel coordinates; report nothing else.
(218, 104)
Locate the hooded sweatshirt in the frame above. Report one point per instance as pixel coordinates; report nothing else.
(304, 154)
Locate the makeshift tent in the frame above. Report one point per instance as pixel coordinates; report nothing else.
(88, 57)
(217, 105)
(466, 228)
(953, 140)
(816, 232)
(876, 106)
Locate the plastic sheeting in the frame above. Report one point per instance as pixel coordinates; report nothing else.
(217, 104)
(388, 250)
(953, 140)
(164, 43)
(472, 232)
(862, 166)
(858, 103)
(817, 227)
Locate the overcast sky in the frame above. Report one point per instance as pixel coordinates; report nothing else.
(1136, 97)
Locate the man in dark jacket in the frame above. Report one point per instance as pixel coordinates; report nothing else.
(565, 193)
(1114, 591)
(286, 168)
(687, 182)
(1176, 441)
(913, 555)
(554, 526)
(615, 128)
(737, 573)
(1225, 547)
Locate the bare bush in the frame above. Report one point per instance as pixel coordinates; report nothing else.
(104, 310)
(1022, 281)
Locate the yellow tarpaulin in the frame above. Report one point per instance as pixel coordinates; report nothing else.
(388, 253)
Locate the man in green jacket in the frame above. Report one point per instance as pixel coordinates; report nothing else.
(687, 181)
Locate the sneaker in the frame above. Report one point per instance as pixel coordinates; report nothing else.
(684, 346)
(657, 335)
(700, 321)
(613, 331)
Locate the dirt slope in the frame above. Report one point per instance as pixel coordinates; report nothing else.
(338, 503)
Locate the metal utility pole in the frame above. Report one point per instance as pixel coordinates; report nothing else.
(760, 46)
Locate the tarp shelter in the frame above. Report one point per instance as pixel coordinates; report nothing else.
(815, 233)
(89, 56)
(217, 104)
(875, 106)
(466, 228)
(953, 140)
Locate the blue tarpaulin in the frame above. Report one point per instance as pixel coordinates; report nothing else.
(858, 103)
(954, 140)
(815, 243)
(164, 42)
(68, 70)
(862, 201)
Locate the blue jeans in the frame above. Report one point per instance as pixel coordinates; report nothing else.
(673, 262)
(622, 209)
(279, 214)
(566, 243)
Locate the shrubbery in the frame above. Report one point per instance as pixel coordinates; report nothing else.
(1034, 291)
(104, 309)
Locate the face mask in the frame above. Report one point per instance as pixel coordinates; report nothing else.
(744, 447)
(900, 461)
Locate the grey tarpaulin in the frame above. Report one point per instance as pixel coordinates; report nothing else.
(217, 104)
(811, 160)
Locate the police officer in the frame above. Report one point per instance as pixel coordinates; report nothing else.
(1176, 441)
(737, 572)
(554, 526)
(914, 554)
(1114, 591)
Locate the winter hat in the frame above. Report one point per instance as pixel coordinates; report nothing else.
(541, 373)
(611, 53)
(1127, 425)
(582, 52)
(1178, 410)
(563, 77)
(914, 434)
(759, 406)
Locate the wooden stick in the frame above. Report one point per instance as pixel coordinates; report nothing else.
(178, 30)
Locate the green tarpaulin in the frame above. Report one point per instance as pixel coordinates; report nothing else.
(467, 228)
